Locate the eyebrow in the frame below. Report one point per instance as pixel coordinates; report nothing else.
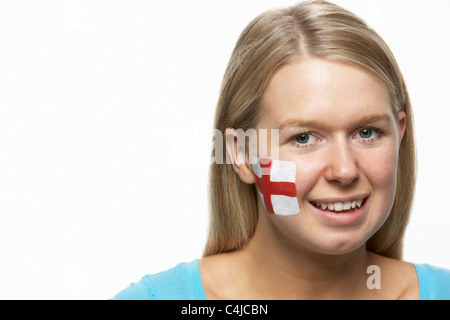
(312, 123)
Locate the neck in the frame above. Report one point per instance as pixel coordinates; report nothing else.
(279, 268)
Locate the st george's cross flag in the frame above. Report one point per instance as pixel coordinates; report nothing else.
(275, 180)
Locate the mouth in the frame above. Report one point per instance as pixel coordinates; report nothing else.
(339, 206)
(346, 211)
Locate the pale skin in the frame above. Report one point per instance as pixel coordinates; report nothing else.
(337, 124)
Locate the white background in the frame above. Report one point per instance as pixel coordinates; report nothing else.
(106, 112)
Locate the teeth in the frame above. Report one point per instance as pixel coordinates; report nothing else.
(339, 206)
(347, 205)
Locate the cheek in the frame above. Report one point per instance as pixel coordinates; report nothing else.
(380, 168)
(307, 175)
(276, 183)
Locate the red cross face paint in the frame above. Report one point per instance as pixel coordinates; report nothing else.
(275, 180)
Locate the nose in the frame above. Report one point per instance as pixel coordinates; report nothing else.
(342, 165)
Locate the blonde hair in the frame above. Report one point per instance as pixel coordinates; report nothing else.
(277, 37)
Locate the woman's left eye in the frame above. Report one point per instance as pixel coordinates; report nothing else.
(369, 134)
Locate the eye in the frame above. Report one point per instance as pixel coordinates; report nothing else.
(365, 133)
(369, 134)
(304, 140)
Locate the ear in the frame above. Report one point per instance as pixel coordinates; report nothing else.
(237, 156)
(402, 123)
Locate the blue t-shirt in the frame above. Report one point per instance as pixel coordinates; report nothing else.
(183, 282)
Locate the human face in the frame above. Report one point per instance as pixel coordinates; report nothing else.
(336, 123)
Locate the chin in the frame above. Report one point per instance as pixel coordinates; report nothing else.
(339, 242)
(339, 248)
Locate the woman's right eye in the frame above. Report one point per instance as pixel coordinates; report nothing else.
(304, 140)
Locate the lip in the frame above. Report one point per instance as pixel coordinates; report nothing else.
(342, 199)
(350, 218)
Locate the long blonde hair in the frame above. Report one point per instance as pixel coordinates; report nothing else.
(277, 37)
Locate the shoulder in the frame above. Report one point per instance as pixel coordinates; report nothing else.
(398, 278)
(434, 282)
(419, 281)
(181, 282)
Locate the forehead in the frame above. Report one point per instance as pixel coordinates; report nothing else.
(321, 89)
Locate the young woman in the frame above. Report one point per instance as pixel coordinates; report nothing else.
(324, 215)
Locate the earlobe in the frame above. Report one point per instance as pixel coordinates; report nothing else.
(237, 157)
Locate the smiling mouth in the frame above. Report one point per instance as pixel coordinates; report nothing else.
(341, 207)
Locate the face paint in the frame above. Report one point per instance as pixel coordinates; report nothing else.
(276, 185)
